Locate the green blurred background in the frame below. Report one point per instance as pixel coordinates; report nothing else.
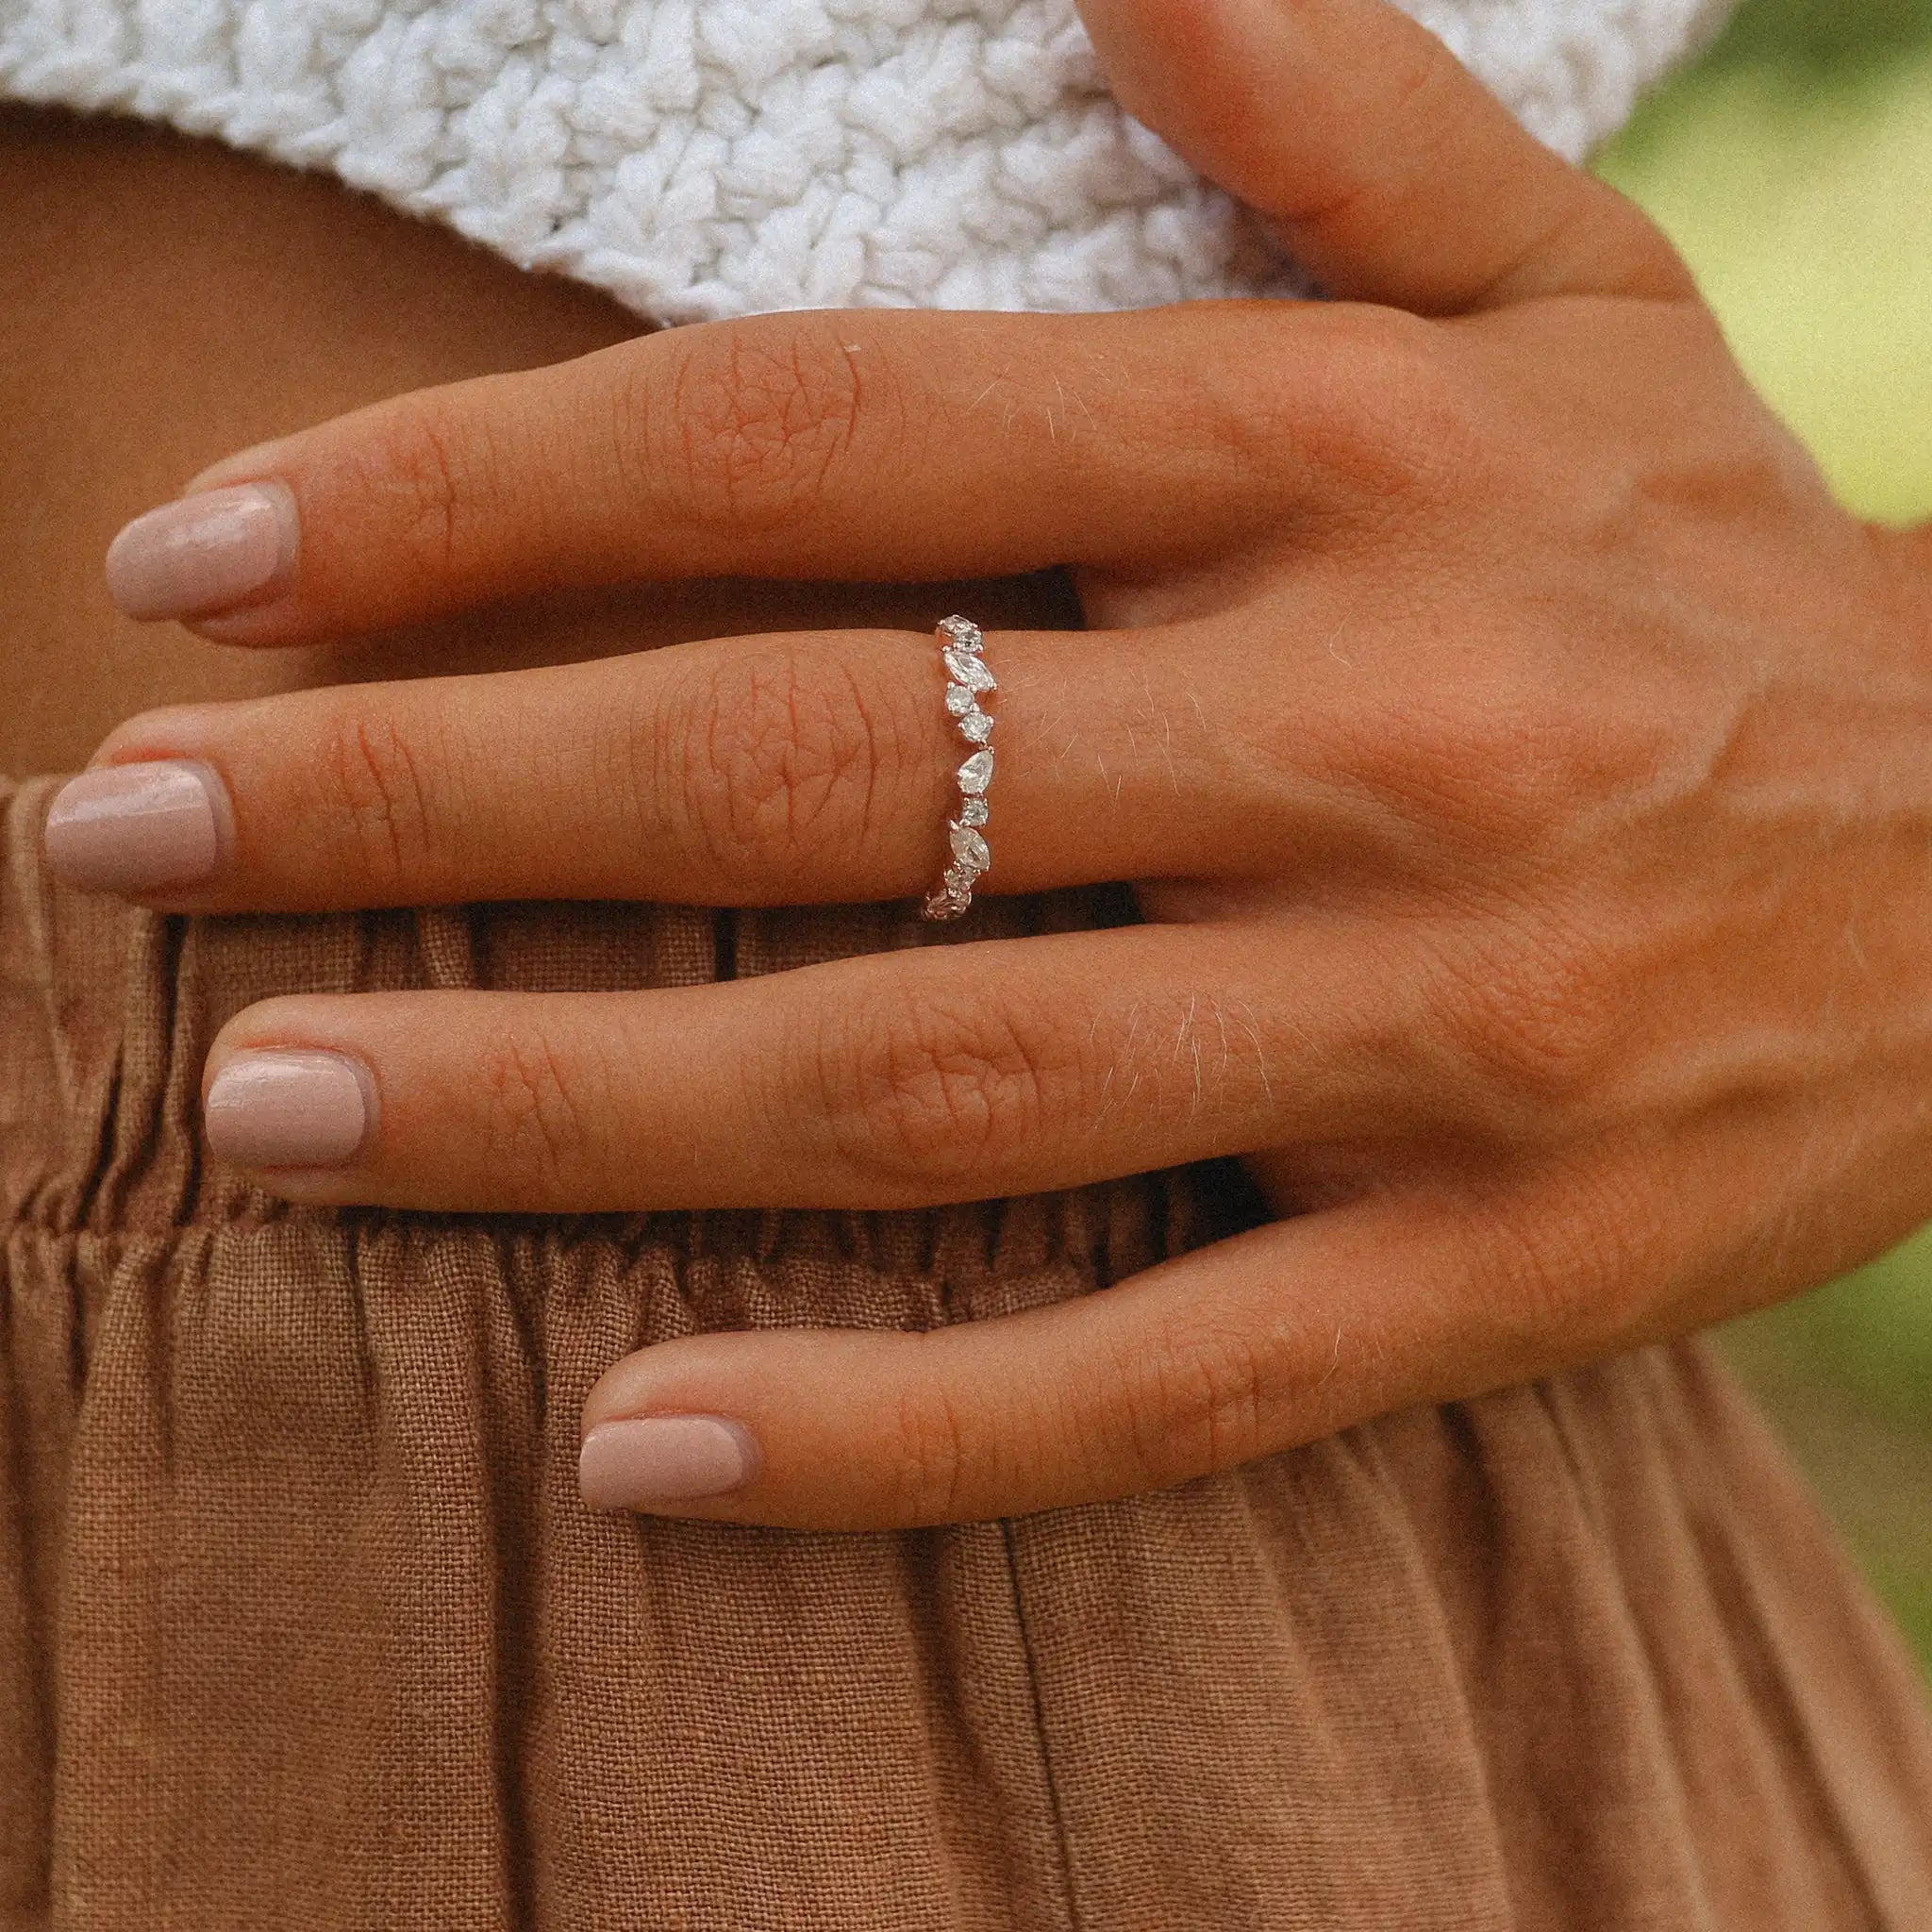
(1794, 167)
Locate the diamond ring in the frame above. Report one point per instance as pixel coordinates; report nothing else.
(962, 650)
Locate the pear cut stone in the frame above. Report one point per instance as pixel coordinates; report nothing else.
(970, 848)
(969, 669)
(960, 644)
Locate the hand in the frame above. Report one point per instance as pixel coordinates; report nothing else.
(1521, 761)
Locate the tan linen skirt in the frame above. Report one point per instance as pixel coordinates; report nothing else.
(303, 1625)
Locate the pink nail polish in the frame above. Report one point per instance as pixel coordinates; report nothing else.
(646, 1462)
(288, 1107)
(205, 554)
(137, 828)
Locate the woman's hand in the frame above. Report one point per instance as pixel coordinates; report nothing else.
(1522, 762)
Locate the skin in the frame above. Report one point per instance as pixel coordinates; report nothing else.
(164, 301)
(1518, 754)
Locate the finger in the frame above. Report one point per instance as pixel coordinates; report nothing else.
(1238, 1350)
(818, 767)
(1390, 169)
(931, 1074)
(875, 446)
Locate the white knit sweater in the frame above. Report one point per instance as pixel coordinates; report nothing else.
(711, 158)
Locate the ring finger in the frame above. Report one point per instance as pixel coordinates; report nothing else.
(816, 767)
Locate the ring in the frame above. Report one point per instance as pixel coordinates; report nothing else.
(961, 644)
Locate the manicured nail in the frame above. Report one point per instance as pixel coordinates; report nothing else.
(655, 1460)
(137, 828)
(288, 1107)
(205, 554)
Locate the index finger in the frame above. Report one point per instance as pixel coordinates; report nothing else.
(888, 446)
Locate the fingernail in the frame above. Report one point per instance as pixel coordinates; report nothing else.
(205, 554)
(288, 1107)
(137, 828)
(649, 1460)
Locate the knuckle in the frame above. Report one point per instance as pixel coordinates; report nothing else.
(1559, 1267)
(1254, 414)
(1388, 414)
(1501, 764)
(780, 754)
(1499, 769)
(427, 467)
(376, 791)
(748, 424)
(1205, 1398)
(937, 1088)
(534, 1120)
(1535, 1027)
(929, 1437)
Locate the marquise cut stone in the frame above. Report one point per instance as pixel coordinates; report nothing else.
(960, 642)
(969, 669)
(969, 847)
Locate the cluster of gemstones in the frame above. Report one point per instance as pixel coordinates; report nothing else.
(968, 681)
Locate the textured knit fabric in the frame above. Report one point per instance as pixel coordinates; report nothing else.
(699, 159)
(302, 1628)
